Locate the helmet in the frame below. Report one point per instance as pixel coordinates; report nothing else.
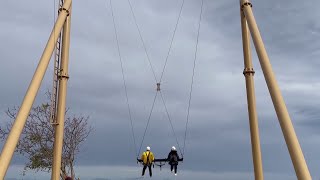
(173, 148)
(148, 148)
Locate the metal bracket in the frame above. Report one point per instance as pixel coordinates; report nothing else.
(64, 9)
(53, 120)
(248, 71)
(246, 3)
(63, 75)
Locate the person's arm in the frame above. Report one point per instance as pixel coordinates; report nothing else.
(169, 156)
(152, 157)
(180, 159)
(143, 157)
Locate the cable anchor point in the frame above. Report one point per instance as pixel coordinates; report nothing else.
(158, 87)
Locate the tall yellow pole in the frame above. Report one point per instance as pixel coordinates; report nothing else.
(290, 136)
(14, 135)
(63, 79)
(253, 118)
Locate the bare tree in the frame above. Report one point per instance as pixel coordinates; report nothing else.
(36, 141)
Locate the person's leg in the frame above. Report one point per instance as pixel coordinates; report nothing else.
(144, 169)
(171, 167)
(175, 168)
(150, 171)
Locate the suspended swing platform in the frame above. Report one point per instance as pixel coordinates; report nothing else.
(160, 162)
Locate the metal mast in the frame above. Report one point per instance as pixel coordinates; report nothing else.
(287, 128)
(17, 127)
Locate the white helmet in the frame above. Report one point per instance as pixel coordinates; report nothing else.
(173, 148)
(148, 148)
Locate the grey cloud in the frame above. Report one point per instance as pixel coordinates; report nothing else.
(218, 126)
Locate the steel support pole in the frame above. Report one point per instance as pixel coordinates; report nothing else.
(290, 136)
(16, 130)
(62, 94)
(248, 72)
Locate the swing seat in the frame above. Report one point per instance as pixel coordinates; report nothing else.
(159, 160)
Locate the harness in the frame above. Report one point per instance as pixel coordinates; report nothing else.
(148, 163)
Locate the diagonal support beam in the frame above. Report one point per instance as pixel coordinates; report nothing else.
(18, 125)
(289, 134)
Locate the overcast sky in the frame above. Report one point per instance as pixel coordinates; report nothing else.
(218, 138)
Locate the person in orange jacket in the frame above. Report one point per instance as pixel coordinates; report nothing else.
(147, 158)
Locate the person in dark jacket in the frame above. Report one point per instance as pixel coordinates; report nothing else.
(173, 159)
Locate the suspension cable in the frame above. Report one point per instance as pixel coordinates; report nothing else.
(192, 79)
(145, 130)
(163, 69)
(150, 64)
(174, 133)
(143, 44)
(173, 35)
(54, 12)
(54, 20)
(162, 73)
(123, 77)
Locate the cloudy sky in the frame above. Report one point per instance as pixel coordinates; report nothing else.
(218, 141)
